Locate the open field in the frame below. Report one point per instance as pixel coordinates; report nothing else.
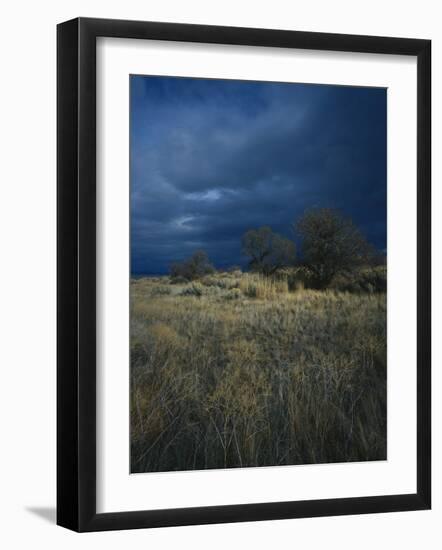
(238, 370)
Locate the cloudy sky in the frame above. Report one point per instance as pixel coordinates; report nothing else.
(210, 159)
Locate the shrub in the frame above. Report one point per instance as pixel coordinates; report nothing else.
(195, 289)
(298, 278)
(193, 268)
(368, 280)
(233, 294)
(221, 282)
(160, 291)
(178, 280)
(331, 245)
(212, 281)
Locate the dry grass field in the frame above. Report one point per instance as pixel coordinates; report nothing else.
(239, 370)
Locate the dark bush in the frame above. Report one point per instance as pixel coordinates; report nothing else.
(268, 251)
(331, 245)
(197, 266)
(369, 279)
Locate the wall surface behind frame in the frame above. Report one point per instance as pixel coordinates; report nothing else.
(27, 289)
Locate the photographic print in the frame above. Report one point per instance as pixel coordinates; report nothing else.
(258, 274)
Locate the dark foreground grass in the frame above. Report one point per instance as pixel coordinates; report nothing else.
(239, 372)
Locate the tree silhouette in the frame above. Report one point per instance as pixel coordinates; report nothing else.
(194, 267)
(267, 250)
(331, 244)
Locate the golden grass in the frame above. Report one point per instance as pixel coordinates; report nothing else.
(265, 377)
(263, 288)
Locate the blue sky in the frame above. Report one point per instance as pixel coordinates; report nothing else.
(210, 159)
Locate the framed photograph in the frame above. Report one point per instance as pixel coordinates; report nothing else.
(243, 274)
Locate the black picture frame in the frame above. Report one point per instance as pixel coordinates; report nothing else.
(76, 274)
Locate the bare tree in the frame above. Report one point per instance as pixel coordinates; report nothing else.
(267, 250)
(331, 244)
(194, 267)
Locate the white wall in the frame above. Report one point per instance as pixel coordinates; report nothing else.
(27, 289)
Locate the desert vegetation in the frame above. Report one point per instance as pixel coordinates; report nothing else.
(272, 366)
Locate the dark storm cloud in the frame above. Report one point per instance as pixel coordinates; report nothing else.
(212, 158)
